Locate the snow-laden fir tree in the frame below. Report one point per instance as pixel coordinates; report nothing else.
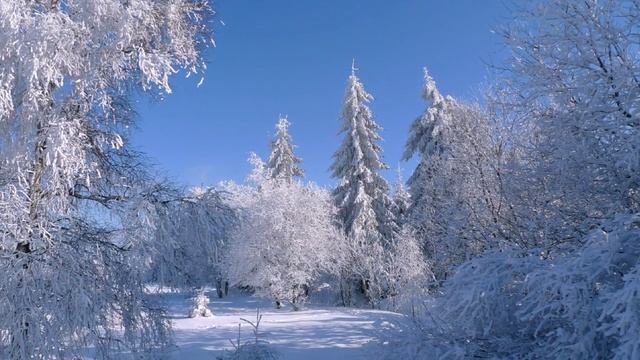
(427, 138)
(401, 199)
(283, 164)
(456, 203)
(428, 135)
(362, 196)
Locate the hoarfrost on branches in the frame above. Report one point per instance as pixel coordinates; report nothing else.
(285, 238)
(75, 202)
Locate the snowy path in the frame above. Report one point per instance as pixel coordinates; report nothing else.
(314, 333)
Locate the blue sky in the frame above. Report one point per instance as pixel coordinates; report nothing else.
(293, 57)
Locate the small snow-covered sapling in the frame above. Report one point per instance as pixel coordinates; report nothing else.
(200, 305)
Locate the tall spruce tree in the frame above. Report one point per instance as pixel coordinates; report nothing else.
(283, 164)
(427, 138)
(401, 199)
(454, 191)
(362, 195)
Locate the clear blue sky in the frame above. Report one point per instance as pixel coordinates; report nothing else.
(293, 57)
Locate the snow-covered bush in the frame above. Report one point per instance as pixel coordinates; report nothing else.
(391, 276)
(285, 237)
(407, 273)
(530, 305)
(200, 306)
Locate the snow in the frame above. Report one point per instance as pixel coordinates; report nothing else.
(316, 332)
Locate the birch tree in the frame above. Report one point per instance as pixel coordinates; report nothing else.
(74, 202)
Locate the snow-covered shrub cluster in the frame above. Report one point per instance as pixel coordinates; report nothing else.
(530, 305)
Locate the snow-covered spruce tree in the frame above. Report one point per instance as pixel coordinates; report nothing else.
(456, 201)
(428, 138)
(283, 164)
(401, 199)
(285, 239)
(575, 85)
(74, 203)
(362, 196)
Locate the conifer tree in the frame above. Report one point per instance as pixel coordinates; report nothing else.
(283, 164)
(454, 192)
(362, 195)
(401, 199)
(427, 138)
(362, 198)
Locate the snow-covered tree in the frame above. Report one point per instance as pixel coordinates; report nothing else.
(362, 196)
(192, 231)
(428, 138)
(365, 208)
(428, 133)
(401, 199)
(456, 204)
(200, 307)
(283, 164)
(285, 239)
(574, 84)
(74, 202)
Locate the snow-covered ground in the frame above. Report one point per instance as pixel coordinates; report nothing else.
(313, 333)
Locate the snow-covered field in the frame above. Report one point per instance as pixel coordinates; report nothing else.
(314, 333)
